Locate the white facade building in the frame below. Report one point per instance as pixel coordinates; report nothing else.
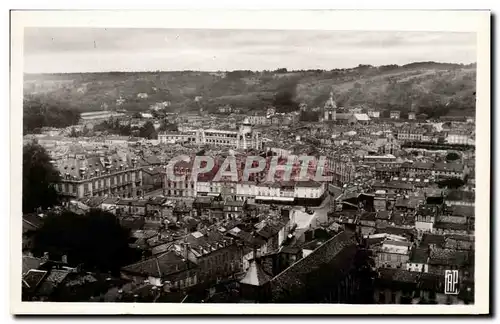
(244, 138)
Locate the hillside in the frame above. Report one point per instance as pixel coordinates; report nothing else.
(433, 87)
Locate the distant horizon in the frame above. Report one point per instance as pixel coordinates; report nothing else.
(94, 50)
(253, 71)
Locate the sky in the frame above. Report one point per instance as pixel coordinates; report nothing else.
(56, 50)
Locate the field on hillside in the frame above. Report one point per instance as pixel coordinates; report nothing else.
(428, 85)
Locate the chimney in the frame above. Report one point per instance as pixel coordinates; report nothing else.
(64, 259)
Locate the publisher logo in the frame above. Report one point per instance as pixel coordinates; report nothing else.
(451, 282)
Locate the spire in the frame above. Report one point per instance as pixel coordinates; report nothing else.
(330, 103)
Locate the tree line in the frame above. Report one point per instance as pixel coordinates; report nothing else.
(39, 112)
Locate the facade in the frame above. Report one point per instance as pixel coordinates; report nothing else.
(216, 256)
(393, 254)
(259, 120)
(418, 261)
(457, 137)
(244, 138)
(167, 271)
(99, 115)
(99, 176)
(424, 223)
(395, 114)
(411, 135)
(372, 113)
(437, 170)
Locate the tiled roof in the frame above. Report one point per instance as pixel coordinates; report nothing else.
(398, 275)
(447, 257)
(368, 216)
(32, 221)
(461, 210)
(159, 266)
(342, 246)
(419, 255)
(435, 239)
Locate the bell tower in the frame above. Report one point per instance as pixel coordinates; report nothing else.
(329, 110)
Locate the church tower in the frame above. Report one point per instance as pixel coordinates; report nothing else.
(330, 109)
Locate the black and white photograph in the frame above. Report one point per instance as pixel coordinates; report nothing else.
(275, 166)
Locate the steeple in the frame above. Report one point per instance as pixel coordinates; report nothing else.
(329, 113)
(330, 103)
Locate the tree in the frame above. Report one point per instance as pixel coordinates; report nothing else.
(148, 131)
(309, 116)
(452, 156)
(168, 126)
(45, 112)
(39, 176)
(95, 239)
(452, 183)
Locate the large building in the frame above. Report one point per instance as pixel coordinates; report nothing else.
(330, 109)
(458, 137)
(259, 120)
(99, 115)
(244, 138)
(99, 176)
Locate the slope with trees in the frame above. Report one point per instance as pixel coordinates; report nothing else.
(434, 88)
(44, 111)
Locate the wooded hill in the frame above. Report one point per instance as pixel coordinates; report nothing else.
(436, 88)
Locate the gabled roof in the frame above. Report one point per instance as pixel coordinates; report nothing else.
(31, 222)
(159, 266)
(398, 275)
(448, 257)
